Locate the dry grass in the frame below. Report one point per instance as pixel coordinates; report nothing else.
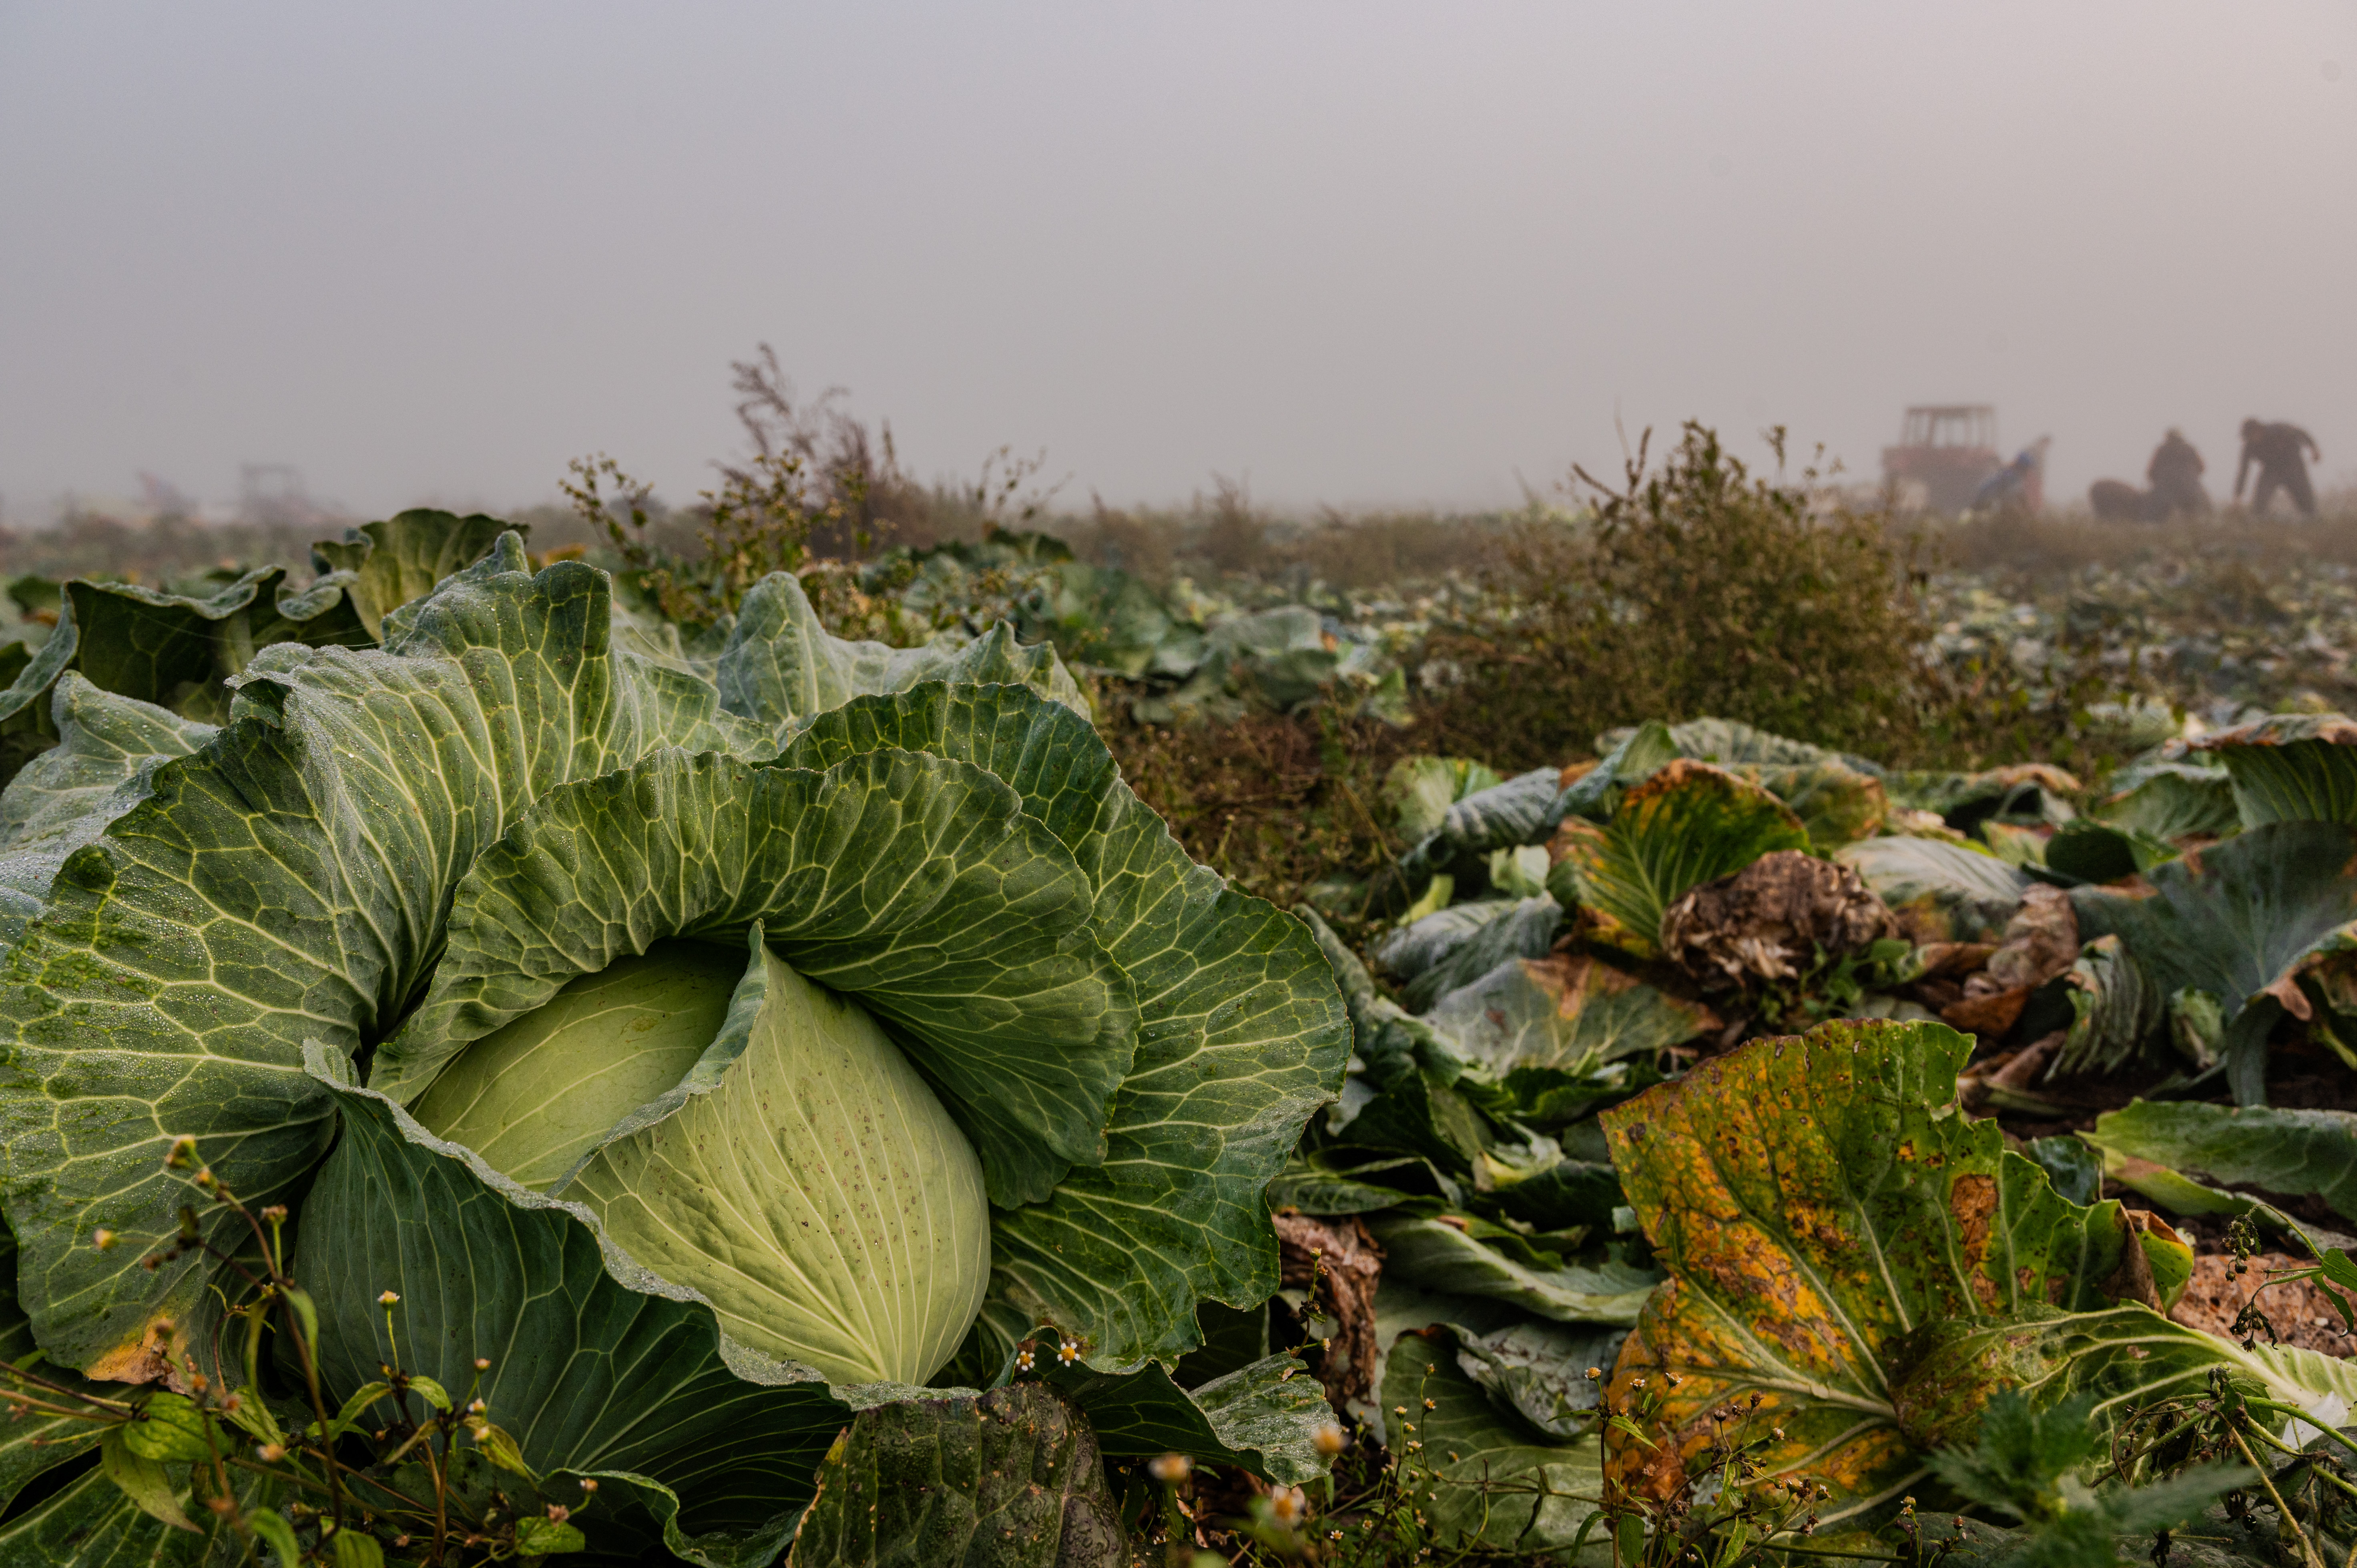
(2018, 546)
(1275, 802)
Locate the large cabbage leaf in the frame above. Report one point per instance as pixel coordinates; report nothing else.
(1443, 1254)
(781, 664)
(1569, 1012)
(403, 558)
(104, 764)
(1849, 1247)
(176, 648)
(1240, 1036)
(2290, 768)
(2286, 1151)
(1941, 892)
(2173, 800)
(915, 884)
(2240, 920)
(1009, 1477)
(1492, 1481)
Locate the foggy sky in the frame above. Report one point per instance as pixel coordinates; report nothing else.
(1356, 253)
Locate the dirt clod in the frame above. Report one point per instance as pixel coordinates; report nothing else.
(2301, 1312)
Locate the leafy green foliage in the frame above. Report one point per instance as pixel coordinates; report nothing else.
(2240, 922)
(1698, 588)
(1940, 891)
(2027, 1463)
(2172, 800)
(2291, 768)
(1494, 1484)
(1010, 1477)
(2286, 1151)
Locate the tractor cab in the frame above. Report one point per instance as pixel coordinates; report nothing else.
(1945, 452)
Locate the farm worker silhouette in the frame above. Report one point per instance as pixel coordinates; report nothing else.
(2015, 484)
(2276, 449)
(2175, 475)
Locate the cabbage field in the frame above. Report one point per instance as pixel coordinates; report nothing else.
(899, 1064)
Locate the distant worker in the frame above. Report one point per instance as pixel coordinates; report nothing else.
(2017, 485)
(2276, 449)
(2175, 475)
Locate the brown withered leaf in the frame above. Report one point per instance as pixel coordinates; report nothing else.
(1770, 921)
(1988, 1014)
(1341, 1264)
(1943, 960)
(2040, 942)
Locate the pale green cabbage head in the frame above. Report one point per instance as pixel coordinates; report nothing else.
(748, 1134)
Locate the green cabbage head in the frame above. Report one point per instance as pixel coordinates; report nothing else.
(744, 1131)
(715, 1045)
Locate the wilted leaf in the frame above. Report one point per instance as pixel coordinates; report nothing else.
(1524, 930)
(1494, 1484)
(1518, 811)
(1774, 919)
(1566, 1010)
(1687, 824)
(2022, 791)
(1628, 759)
(2114, 1009)
(1563, 1195)
(1441, 1256)
(1340, 1267)
(1538, 1372)
(1836, 802)
(2040, 942)
(1414, 945)
(1871, 1264)
(1731, 743)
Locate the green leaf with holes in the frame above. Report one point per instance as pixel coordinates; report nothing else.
(1009, 1477)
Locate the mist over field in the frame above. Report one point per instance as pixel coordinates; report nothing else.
(1365, 256)
(1321, 786)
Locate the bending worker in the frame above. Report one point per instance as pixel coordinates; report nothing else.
(2276, 449)
(2175, 475)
